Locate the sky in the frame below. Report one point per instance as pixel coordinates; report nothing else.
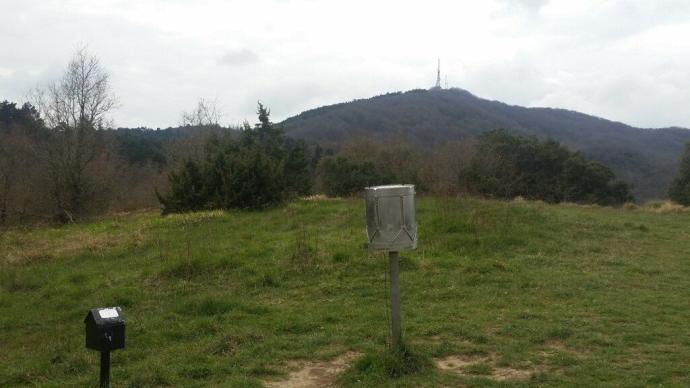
(627, 61)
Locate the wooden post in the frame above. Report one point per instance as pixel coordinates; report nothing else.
(395, 301)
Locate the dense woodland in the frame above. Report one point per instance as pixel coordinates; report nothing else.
(61, 161)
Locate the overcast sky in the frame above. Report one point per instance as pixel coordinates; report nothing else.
(623, 60)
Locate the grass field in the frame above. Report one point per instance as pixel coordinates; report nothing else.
(560, 295)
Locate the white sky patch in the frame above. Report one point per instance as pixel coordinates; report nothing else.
(623, 60)
(5, 72)
(568, 8)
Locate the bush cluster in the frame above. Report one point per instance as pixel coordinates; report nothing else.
(256, 169)
(497, 164)
(507, 166)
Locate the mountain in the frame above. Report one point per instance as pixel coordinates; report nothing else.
(644, 158)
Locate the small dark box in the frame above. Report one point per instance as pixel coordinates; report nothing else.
(105, 329)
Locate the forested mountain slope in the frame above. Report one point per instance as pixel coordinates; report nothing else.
(644, 158)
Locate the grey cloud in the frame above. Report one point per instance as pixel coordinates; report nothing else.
(239, 57)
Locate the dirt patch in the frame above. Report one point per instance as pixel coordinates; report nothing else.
(554, 347)
(555, 344)
(461, 365)
(315, 374)
(458, 363)
(502, 374)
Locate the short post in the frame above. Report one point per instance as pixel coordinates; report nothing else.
(105, 369)
(395, 301)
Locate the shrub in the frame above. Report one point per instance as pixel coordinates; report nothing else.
(259, 169)
(186, 190)
(507, 166)
(342, 176)
(382, 366)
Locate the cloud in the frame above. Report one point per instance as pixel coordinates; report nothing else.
(162, 55)
(238, 57)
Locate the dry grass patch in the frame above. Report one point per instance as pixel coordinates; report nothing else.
(31, 247)
(663, 207)
(630, 206)
(317, 197)
(35, 249)
(458, 362)
(484, 366)
(186, 219)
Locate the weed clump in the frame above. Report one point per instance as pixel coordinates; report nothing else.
(192, 268)
(196, 372)
(187, 269)
(340, 257)
(665, 207)
(209, 306)
(8, 278)
(12, 280)
(630, 206)
(305, 254)
(480, 368)
(376, 367)
(266, 280)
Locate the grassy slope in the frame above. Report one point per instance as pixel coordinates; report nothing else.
(593, 296)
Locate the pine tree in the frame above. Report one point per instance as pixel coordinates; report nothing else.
(186, 190)
(260, 169)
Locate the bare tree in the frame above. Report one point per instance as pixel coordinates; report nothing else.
(205, 114)
(445, 169)
(82, 98)
(75, 107)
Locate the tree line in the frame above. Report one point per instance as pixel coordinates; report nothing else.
(497, 164)
(61, 161)
(262, 167)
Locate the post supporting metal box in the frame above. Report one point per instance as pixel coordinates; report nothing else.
(391, 218)
(392, 226)
(105, 331)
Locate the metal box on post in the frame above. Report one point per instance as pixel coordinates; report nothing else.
(391, 219)
(105, 329)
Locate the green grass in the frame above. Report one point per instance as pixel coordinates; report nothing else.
(588, 296)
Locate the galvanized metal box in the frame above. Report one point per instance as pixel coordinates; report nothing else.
(391, 218)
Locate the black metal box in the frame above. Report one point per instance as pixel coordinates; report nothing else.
(105, 329)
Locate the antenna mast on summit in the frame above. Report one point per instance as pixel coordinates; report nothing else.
(438, 74)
